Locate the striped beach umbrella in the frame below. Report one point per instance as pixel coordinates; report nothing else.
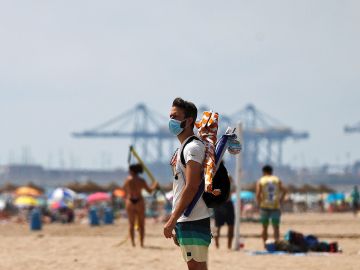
(62, 194)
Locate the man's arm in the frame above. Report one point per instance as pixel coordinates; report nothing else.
(258, 193)
(193, 179)
(283, 192)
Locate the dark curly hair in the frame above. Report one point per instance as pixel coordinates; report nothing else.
(188, 108)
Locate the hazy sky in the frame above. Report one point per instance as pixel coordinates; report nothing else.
(71, 65)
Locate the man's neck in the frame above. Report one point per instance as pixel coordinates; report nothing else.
(184, 135)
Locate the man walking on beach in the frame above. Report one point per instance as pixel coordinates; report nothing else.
(192, 233)
(270, 194)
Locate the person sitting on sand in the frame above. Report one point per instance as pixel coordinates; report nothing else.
(134, 201)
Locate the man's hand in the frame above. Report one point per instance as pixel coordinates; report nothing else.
(169, 227)
(176, 242)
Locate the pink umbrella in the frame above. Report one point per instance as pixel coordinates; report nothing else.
(98, 197)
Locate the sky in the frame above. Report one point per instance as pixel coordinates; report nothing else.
(71, 65)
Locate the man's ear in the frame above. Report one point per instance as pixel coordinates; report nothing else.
(192, 123)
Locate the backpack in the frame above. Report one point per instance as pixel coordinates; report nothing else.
(220, 181)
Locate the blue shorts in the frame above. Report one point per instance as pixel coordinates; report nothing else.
(267, 214)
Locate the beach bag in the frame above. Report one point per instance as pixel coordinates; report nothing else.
(220, 181)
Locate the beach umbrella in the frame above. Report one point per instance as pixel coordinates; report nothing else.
(75, 186)
(119, 192)
(334, 197)
(244, 195)
(98, 197)
(35, 186)
(306, 188)
(292, 188)
(8, 187)
(60, 204)
(60, 194)
(90, 186)
(27, 191)
(247, 195)
(87, 187)
(26, 201)
(112, 186)
(325, 189)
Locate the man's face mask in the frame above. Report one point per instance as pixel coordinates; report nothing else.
(176, 126)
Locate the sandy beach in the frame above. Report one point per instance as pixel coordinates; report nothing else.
(80, 246)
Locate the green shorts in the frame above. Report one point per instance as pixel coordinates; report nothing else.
(267, 214)
(194, 238)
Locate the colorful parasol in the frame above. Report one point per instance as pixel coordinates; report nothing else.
(119, 192)
(26, 201)
(98, 197)
(60, 194)
(27, 191)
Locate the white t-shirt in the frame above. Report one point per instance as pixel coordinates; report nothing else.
(195, 150)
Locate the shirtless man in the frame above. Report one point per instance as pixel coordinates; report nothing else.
(135, 205)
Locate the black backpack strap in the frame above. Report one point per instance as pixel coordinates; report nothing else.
(182, 158)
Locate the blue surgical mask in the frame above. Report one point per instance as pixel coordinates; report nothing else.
(175, 127)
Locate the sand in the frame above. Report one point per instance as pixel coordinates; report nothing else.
(80, 246)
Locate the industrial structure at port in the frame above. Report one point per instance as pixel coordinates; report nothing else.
(263, 137)
(263, 142)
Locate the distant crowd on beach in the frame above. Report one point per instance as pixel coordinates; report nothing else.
(65, 205)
